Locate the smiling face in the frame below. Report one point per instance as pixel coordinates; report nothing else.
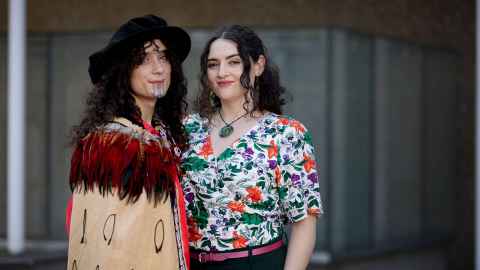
(225, 68)
(151, 79)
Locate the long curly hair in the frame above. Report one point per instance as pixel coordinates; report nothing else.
(112, 96)
(266, 91)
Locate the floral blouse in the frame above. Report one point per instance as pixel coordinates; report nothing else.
(245, 195)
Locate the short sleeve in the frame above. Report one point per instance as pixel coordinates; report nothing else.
(299, 189)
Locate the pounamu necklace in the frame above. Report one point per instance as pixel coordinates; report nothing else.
(227, 129)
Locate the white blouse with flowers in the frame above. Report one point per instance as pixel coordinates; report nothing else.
(244, 196)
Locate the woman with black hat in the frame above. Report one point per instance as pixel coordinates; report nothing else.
(128, 210)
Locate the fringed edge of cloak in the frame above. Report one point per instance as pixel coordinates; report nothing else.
(111, 159)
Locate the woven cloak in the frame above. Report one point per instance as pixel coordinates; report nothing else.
(128, 207)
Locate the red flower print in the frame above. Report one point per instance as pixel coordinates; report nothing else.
(313, 211)
(193, 233)
(297, 125)
(309, 163)
(283, 121)
(272, 150)
(278, 175)
(206, 148)
(236, 206)
(239, 241)
(254, 194)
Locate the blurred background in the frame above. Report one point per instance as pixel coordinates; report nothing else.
(386, 87)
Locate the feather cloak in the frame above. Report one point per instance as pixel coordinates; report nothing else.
(136, 167)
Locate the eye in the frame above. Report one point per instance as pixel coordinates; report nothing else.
(147, 59)
(212, 65)
(162, 58)
(235, 62)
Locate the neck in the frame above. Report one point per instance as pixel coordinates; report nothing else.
(233, 109)
(147, 108)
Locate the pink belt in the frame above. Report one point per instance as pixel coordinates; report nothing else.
(204, 257)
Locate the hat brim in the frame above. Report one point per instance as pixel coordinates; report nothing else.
(174, 38)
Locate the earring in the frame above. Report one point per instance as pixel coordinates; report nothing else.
(212, 98)
(256, 86)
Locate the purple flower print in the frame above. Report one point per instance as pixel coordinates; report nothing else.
(248, 154)
(313, 177)
(296, 179)
(272, 164)
(189, 197)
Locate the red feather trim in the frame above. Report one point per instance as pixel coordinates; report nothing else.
(109, 159)
(183, 221)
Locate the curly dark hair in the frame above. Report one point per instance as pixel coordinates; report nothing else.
(267, 92)
(112, 96)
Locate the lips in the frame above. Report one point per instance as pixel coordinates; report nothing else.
(157, 82)
(224, 83)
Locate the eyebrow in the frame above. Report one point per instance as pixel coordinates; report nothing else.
(228, 57)
(158, 50)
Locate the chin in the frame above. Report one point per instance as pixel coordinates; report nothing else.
(230, 95)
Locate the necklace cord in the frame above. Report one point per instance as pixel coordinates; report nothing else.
(229, 124)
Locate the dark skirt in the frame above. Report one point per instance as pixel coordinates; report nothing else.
(273, 260)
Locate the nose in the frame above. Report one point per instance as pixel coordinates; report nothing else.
(222, 70)
(158, 67)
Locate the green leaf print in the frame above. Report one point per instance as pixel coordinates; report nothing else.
(264, 146)
(242, 145)
(221, 244)
(297, 217)
(207, 243)
(254, 219)
(313, 203)
(194, 164)
(261, 184)
(307, 137)
(234, 169)
(282, 193)
(192, 127)
(201, 216)
(265, 205)
(299, 168)
(231, 222)
(226, 154)
(298, 204)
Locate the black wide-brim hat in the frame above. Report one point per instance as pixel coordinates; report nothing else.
(135, 30)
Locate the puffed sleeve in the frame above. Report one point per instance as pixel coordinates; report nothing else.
(298, 185)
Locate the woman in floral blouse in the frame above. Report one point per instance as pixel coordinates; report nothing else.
(249, 170)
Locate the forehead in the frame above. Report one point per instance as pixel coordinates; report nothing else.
(154, 45)
(222, 48)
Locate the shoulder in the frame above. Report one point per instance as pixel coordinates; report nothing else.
(287, 123)
(289, 129)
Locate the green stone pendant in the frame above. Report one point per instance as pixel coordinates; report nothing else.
(225, 131)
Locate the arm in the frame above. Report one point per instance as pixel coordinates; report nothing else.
(301, 244)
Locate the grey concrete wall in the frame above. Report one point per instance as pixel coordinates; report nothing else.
(37, 137)
(398, 146)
